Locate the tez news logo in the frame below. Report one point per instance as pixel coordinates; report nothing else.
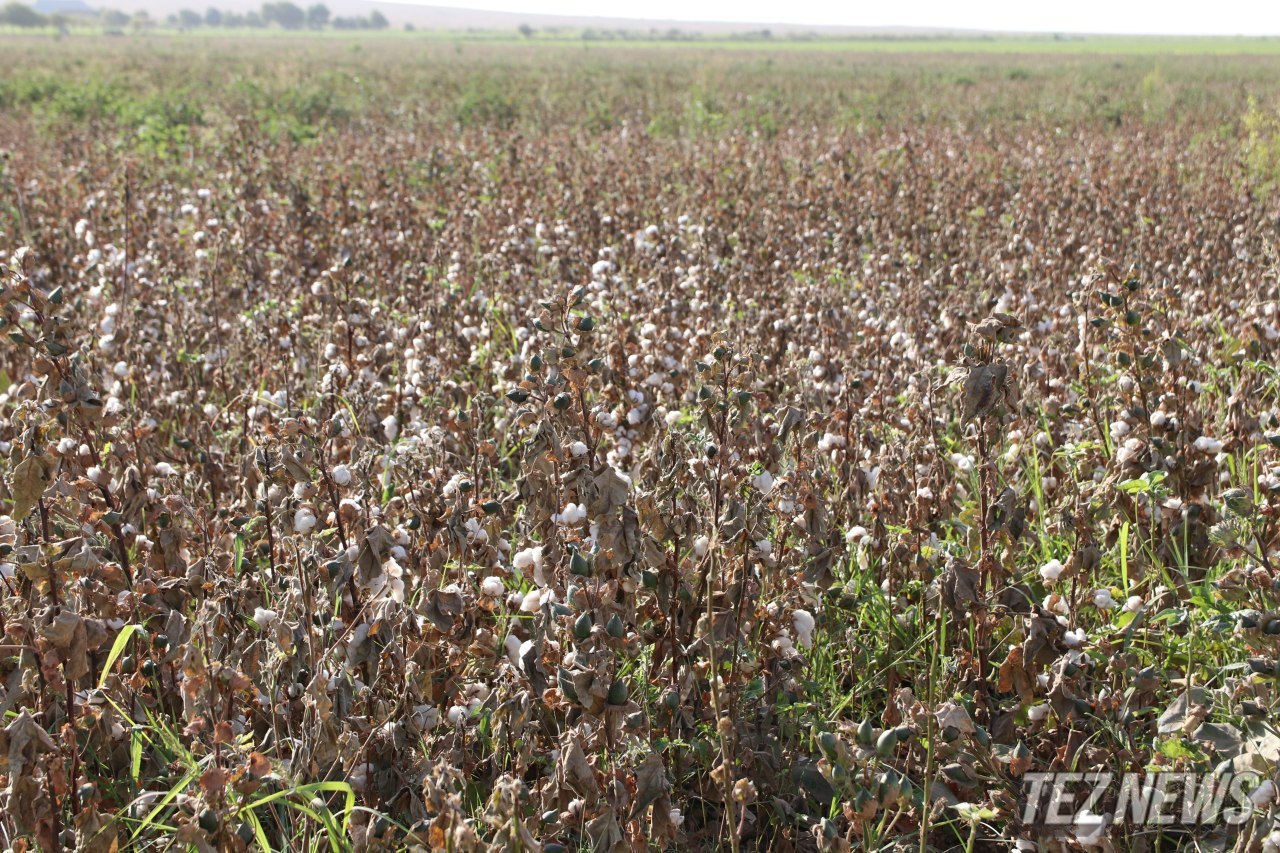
(1148, 799)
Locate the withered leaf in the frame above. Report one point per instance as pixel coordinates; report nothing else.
(28, 482)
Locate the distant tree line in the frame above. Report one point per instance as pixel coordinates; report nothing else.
(285, 15)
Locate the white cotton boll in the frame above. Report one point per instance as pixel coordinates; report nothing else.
(1051, 571)
(1055, 603)
(512, 645)
(672, 418)
(1074, 639)
(1263, 795)
(341, 475)
(531, 602)
(492, 587)
(765, 547)
(700, 546)
(578, 448)
(530, 558)
(304, 520)
(963, 462)
(164, 469)
(264, 617)
(457, 715)
(1133, 603)
(390, 427)
(1102, 599)
(67, 445)
(475, 533)
(763, 482)
(803, 622)
(782, 644)
(854, 535)
(1159, 419)
(1036, 713)
(1205, 444)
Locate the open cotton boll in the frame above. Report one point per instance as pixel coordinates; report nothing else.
(341, 475)
(304, 520)
(803, 622)
(1074, 639)
(263, 617)
(531, 602)
(530, 559)
(578, 448)
(1051, 571)
(763, 482)
(492, 587)
(700, 546)
(1133, 603)
(1036, 713)
(1102, 599)
(512, 645)
(1205, 444)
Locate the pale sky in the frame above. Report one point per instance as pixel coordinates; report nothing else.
(1173, 17)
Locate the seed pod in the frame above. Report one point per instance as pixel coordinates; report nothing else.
(582, 627)
(886, 743)
(618, 693)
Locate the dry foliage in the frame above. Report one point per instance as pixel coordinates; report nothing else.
(504, 479)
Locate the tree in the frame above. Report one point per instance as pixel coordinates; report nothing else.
(212, 17)
(114, 19)
(21, 15)
(526, 31)
(378, 21)
(190, 19)
(317, 16)
(288, 15)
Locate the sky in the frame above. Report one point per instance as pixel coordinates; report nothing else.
(1171, 17)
